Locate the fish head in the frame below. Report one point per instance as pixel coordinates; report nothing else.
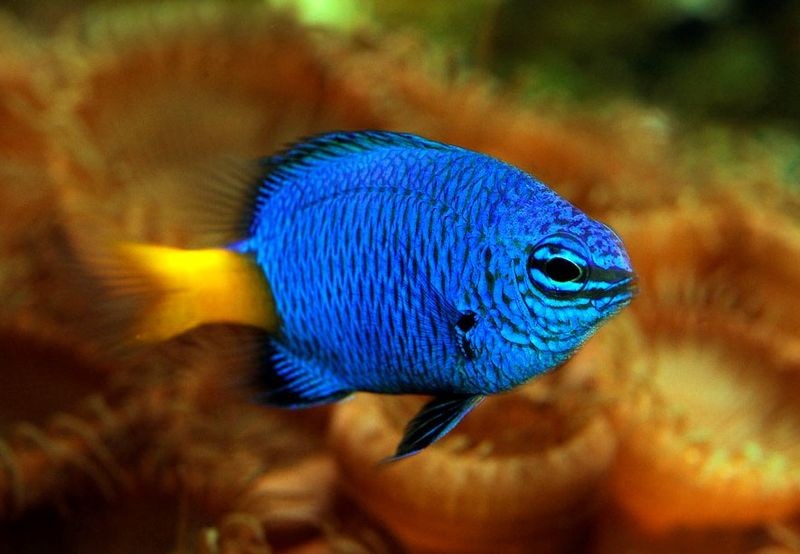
(577, 276)
(571, 274)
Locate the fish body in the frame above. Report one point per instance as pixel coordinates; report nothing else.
(397, 265)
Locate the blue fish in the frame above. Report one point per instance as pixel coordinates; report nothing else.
(395, 264)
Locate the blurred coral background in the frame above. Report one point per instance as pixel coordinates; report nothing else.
(676, 429)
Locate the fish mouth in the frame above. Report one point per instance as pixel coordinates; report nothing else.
(618, 296)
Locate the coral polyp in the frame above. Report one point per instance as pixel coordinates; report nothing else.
(676, 429)
(709, 422)
(523, 469)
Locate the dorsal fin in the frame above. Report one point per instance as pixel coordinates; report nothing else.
(304, 153)
(220, 198)
(230, 194)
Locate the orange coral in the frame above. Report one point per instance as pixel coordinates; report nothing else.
(126, 103)
(731, 262)
(26, 78)
(524, 468)
(153, 98)
(710, 425)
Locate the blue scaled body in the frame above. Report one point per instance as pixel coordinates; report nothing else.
(402, 265)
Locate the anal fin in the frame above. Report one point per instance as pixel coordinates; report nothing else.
(283, 380)
(434, 420)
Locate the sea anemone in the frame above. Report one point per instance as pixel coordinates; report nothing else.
(523, 468)
(708, 421)
(27, 79)
(29, 216)
(124, 104)
(156, 94)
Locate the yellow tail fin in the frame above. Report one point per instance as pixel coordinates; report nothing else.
(198, 287)
(159, 292)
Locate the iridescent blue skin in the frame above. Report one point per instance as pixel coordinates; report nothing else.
(402, 265)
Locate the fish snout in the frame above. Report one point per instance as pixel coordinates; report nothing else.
(619, 295)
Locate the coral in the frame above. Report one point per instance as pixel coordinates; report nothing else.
(26, 77)
(523, 468)
(125, 105)
(156, 97)
(730, 262)
(708, 356)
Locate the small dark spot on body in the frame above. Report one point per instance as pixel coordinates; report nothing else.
(466, 322)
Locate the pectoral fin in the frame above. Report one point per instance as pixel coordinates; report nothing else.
(283, 380)
(434, 421)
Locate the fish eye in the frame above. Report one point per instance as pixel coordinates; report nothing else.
(558, 266)
(562, 270)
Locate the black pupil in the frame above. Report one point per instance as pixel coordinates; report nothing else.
(562, 270)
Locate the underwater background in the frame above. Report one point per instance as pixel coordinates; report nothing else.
(675, 429)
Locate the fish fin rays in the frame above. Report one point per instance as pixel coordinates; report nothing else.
(118, 295)
(434, 420)
(219, 200)
(140, 294)
(286, 381)
(308, 150)
(286, 165)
